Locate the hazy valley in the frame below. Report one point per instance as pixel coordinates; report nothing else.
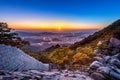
(45, 39)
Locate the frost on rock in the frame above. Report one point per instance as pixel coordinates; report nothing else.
(12, 58)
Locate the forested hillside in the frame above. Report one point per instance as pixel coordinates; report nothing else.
(105, 33)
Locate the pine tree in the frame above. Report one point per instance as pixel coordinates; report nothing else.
(8, 37)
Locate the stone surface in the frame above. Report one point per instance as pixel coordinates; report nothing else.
(107, 63)
(97, 76)
(13, 59)
(114, 42)
(37, 75)
(103, 42)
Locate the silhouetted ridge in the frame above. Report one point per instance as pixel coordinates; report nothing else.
(106, 33)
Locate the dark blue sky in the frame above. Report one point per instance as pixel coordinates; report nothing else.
(98, 12)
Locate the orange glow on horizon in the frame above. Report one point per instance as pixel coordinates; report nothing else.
(57, 26)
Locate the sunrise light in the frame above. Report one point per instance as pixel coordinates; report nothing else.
(44, 16)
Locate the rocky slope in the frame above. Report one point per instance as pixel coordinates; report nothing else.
(37, 75)
(12, 59)
(107, 62)
(106, 66)
(16, 65)
(103, 34)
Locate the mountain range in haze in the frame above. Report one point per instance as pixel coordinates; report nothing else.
(45, 39)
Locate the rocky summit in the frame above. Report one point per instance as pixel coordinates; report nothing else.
(14, 59)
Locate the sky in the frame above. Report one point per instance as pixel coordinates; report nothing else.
(59, 14)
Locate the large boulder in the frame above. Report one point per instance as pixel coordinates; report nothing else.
(12, 58)
(114, 42)
(110, 68)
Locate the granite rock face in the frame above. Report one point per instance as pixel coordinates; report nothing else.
(107, 62)
(14, 59)
(114, 42)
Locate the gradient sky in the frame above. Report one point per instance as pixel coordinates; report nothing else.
(59, 14)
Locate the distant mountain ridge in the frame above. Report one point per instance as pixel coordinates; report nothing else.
(105, 33)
